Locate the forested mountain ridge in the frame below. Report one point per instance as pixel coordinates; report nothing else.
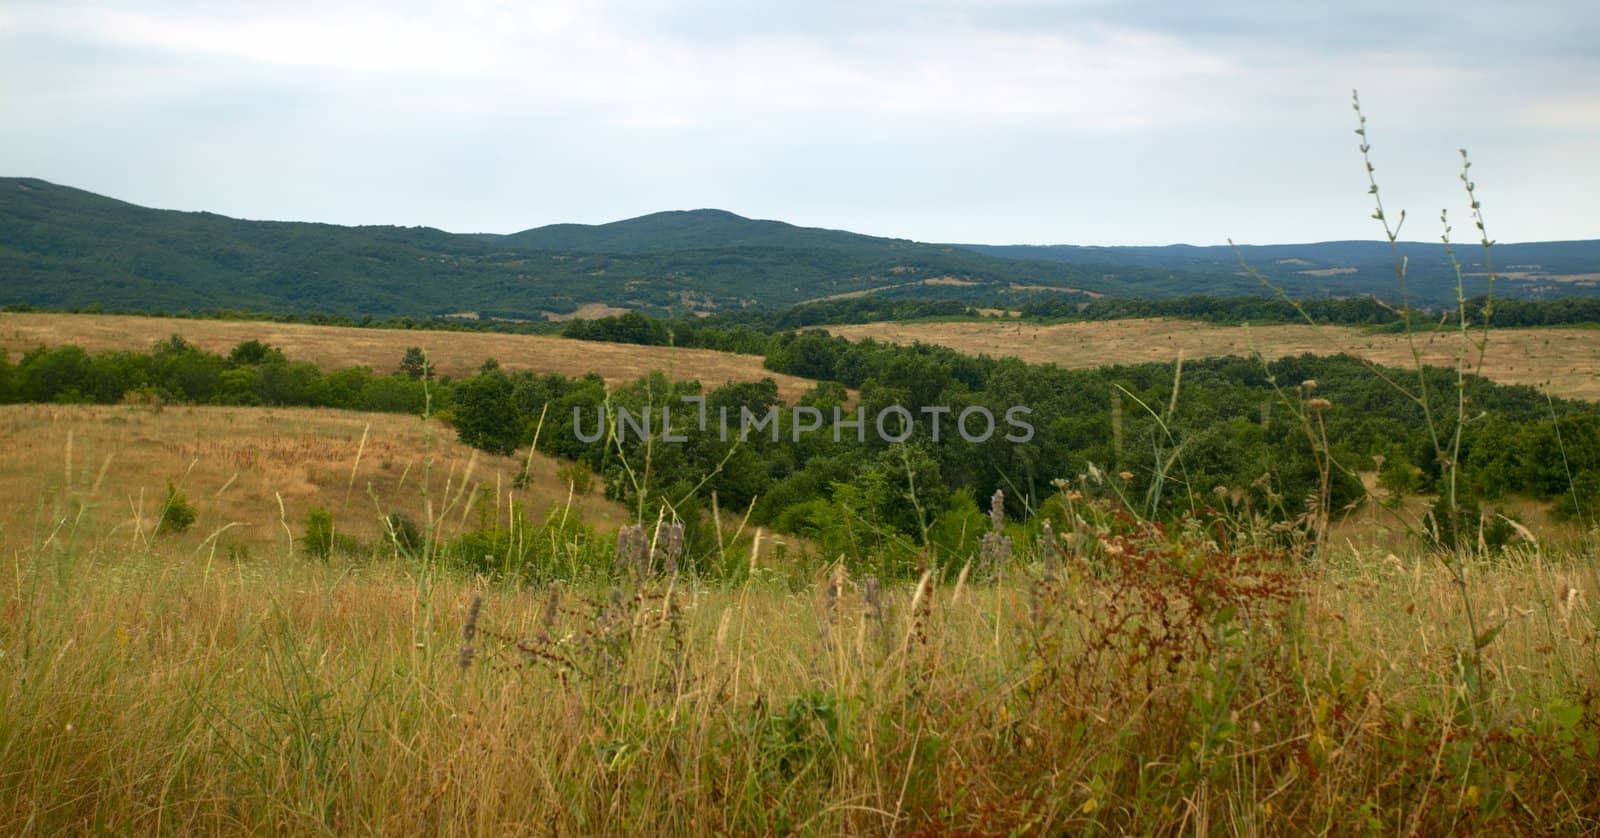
(62, 247)
(1532, 270)
(695, 230)
(66, 248)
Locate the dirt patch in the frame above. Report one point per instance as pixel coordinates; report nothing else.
(587, 311)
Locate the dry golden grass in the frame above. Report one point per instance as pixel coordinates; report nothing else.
(452, 353)
(1562, 361)
(234, 464)
(589, 311)
(158, 692)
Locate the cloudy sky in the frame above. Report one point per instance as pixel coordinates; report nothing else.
(963, 120)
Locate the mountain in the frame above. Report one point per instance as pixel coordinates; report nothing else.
(1535, 270)
(693, 230)
(66, 248)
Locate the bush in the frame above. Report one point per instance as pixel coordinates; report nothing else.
(176, 514)
(576, 475)
(318, 539)
(1475, 528)
(407, 536)
(1400, 477)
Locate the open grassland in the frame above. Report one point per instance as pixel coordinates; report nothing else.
(251, 473)
(452, 353)
(1109, 675)
(153, 691)
(1561, 361)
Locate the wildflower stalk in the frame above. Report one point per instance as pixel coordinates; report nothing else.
(1467, 345)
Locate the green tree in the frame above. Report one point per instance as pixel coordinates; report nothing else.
(255, 353)
(240, 386)
(8, 380)
(415, 365)
(486, 418)
(47, 375)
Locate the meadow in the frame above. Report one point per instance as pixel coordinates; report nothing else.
(1130, 680)
(1561, 361)
(252, 474)
(451, 353)
(364, 625)
(1109, 674)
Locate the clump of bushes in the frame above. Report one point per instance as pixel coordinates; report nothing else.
(177, 514)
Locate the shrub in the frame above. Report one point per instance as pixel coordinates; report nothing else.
(1475, 528)
(576, 475)
(176, 514)
(1400, 477)
(318, 539)
(407, 536)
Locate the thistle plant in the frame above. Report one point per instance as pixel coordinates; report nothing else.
(995, 548)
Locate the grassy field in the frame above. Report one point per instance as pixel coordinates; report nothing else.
(151, 689)
(452, 353)
(249, 472)
(1561, 361)
(1120, 677)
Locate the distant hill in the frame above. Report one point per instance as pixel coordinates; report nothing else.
(695, 230)
(66, 248)
(1537, 270)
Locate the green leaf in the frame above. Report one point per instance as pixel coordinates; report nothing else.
(1488, 636)
(1565, 714)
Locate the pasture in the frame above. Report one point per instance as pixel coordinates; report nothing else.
(452, 353)
(1561, 361)
(252, 474)
(1110, 675)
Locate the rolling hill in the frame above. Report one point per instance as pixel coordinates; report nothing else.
(699, 229)
(1536, 270)
(66, 248)
(62, 247)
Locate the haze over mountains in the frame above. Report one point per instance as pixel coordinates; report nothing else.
(66, 248)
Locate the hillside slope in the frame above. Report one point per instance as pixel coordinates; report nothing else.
(1534, 270)
(238, 464)
(452, 353)
(64, 247)
(696, 230)
(67, 248)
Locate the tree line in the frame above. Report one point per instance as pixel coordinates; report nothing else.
(1227, 432)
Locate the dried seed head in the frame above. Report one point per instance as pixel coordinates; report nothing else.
(995, 550)
(1318, 405)
(633, 549)
(552, 606)
(873, 598)
(669, 543)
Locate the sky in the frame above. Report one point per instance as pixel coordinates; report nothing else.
(992, 121)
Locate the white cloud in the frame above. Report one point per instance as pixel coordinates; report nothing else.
(1123, 126)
